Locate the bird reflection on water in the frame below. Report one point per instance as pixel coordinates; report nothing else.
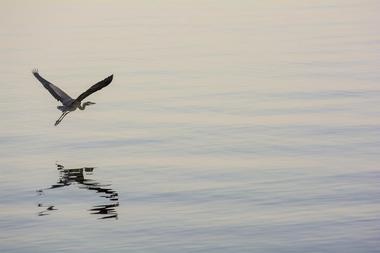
(69, 177)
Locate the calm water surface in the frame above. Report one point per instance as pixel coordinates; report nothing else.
(230, 126)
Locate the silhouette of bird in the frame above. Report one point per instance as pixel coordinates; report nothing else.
(69, 104)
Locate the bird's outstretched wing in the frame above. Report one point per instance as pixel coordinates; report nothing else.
(98, 86)
(57, 93)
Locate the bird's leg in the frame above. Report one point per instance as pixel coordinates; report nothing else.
(61, 118)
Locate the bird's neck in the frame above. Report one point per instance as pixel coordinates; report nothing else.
(82, 106)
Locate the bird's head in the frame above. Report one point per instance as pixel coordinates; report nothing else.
(88, 103)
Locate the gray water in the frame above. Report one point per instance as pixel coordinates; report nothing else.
(230, 126)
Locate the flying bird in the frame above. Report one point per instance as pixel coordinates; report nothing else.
(69, 104)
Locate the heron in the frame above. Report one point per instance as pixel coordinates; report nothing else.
(69, 104)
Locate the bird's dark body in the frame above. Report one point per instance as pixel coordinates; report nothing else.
(64, 108)
(69, 104)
